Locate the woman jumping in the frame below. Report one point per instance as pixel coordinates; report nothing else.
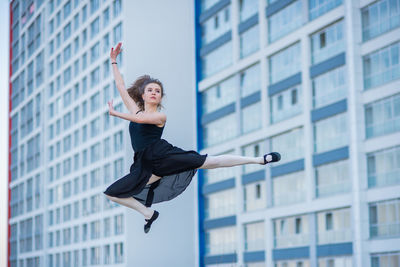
(160, 171)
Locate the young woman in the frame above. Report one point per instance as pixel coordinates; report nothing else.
(160, 171)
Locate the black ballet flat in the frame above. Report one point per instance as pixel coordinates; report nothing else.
(150, 221)
(275, 157)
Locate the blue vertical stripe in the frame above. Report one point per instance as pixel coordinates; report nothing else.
(197, 30)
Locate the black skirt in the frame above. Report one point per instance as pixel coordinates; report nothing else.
(175, 166)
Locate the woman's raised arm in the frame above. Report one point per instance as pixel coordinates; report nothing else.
(119, 82)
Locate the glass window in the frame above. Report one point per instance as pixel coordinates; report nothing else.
(220, 204)
(94, 6)
(385, 259)
(379, 18)
(331, 133)
(255, 196)
(334, 226)
(328, 42)
(285, 63)
(67, 9)
(117, 7)
(250, 80)
(285, 21)
(342, 261)
(383, 167)
(382, 117)
(247, 9)
(289, 189)
(384, 218)
(221, 240)
(249, 41)
(332, 179)
(106, 17)
(329, 87)
(251, 118)
(286, 104)
(220, 130)
(320, 7)
(254, 236)
(290, 144)
(117, 31)
(94, 27)
(94, 52)
(382, 66)
(219, 95)
(217, 60)
(216, 26)
(291, 231)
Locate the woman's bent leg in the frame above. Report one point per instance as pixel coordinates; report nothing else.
(132, 203)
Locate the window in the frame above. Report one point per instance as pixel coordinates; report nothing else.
(220, 241)
(117, 31)
(329, 87)
(284, 63)
(94, 27)
(291, 232)
(331, 133)
(251, 118)
(254, 236)
(285, 21)
(383, 167)
(67, 31)
(220, 130)
(250, 80)
(94, 52)
(94, 6)
(67, 9)
(255, 196)
(384, 218)
(249, 41)
(382, 66)
(247, 9)
(117, 7)
(379, 18)
(219, 95)
(216, 26)
(106, 17)
(385, 259)
(320, 7)
(286, 104)
(290, 143)
(328, 42)
(332, 179)
(220, 204)
(382, 117)
(289, 188)
(217, 60)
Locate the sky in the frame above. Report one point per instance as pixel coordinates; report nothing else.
(4, 71)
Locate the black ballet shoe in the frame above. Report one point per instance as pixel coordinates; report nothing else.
(150, 221)
(275, 157)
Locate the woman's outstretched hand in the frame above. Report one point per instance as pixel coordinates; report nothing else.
(111, 110)
(114, 52)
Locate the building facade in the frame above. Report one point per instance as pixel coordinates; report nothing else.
(65, 148)
(319, 82)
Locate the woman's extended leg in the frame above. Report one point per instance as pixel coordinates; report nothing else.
(219, 161)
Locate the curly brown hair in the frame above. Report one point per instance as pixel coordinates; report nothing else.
(137, 89)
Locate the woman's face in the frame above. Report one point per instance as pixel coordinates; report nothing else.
(152, 93)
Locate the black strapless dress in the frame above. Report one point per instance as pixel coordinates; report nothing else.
(154, 155)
